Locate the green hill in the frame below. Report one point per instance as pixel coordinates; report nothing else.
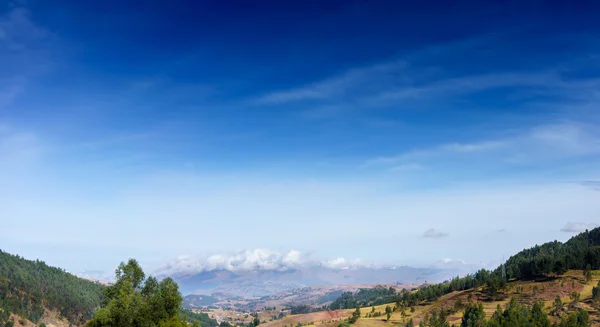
(28, 288)
(553, 258)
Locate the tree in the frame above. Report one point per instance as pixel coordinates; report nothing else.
(133, 301)
(575, 296)
(587, 273)
(538, 316)
(355, 316)
(596, 293)
(558, 304)
(388, 312)
(474, 316)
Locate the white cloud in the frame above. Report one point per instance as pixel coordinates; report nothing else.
(251, 260)
(434, 233)
(577, 227)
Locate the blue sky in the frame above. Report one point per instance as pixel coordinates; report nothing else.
(387, 131)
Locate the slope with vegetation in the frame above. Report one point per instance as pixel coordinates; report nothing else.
(29, 288)
(554, 283)
(33, 293)
(137, 301)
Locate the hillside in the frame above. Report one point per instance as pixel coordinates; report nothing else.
(534, 278)
(32, 289)
(32, 293)
(453, 304)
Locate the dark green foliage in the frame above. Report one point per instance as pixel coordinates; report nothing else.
(596, 293)
(134, 301)
(580, 318)
(518, 315)
(202, 319)
(587, 273)
(364, 297)
(329, 296)
(474, 316)
(27, 287)
(438, 319)
(198, 301)
(558, 304)
(301, 309)
(355, 316)
(580, 252)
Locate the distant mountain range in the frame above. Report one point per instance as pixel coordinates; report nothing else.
(258, 283)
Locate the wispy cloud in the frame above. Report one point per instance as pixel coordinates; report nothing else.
(17, 31)
(434, 233)
(407, 167)
(416, 80)
(354, 80)
(595, 185)
(9, 92)
(22, 52)
(468, 84)
(18, 148)
(540, 143)
(577, 227)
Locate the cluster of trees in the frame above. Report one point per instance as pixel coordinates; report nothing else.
(580, 252)
(355, 316)
(301, 309)
(516, 314)
(381, 295)
(364, 297)
(137, 301)
(596, 294)
(27, 287)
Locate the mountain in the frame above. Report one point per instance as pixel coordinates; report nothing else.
(259, 282)
(32, 289)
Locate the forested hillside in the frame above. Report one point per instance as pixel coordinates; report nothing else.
(580, 252)
(28, 287)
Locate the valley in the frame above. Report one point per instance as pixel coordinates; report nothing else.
(555, 283)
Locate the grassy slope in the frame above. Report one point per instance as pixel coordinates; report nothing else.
(545, 291)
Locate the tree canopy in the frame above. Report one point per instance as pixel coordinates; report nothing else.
(137, 301)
